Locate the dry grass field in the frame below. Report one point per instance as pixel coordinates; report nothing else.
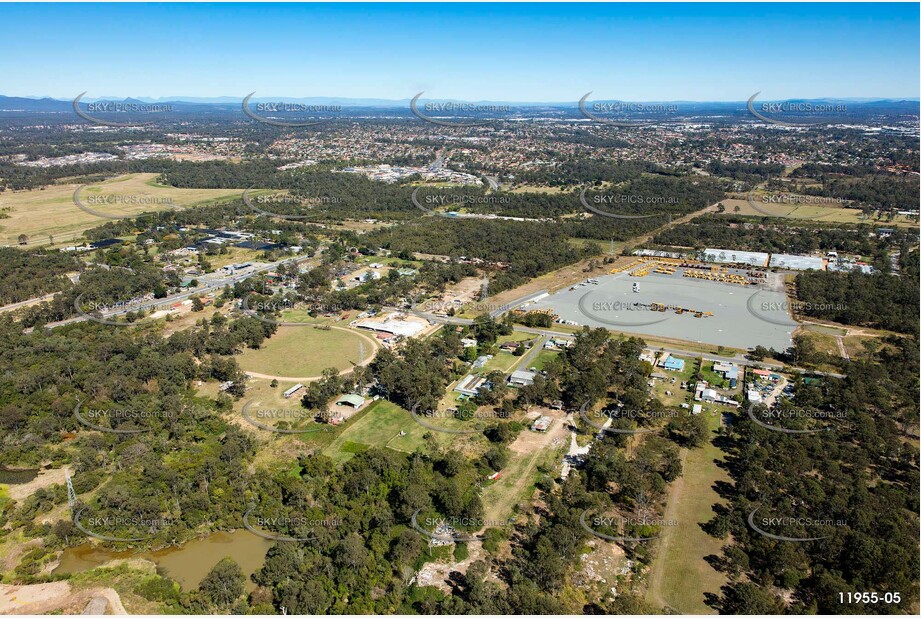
(51, 211)
(809, 212)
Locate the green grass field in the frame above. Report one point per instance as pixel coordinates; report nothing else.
(679, 576)
(543, 357)
(304, 351)
(501, 361)
(380, 425)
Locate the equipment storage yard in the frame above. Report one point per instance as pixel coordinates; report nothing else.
(614, 302)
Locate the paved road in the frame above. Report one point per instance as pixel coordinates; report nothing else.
(26, 303)
(212, 286)
(738, 359)
(530, 355)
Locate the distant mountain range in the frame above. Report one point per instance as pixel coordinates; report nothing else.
(49, 104)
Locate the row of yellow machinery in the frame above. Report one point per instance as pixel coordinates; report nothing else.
(679, 310)
(722, 277)
(692, 268)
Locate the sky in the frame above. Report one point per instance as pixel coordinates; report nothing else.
(473, 52)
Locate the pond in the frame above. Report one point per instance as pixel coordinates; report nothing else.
(17, 477)
(187, 564)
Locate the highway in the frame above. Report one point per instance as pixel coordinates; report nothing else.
(214, 284)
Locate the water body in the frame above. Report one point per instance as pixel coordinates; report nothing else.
(17, 477)
(732, 324)
(187, 564)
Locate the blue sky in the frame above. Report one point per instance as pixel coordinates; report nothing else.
(513, 52)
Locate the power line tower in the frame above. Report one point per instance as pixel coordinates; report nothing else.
(71, 494)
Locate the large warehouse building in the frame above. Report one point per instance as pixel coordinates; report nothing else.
(730, 256)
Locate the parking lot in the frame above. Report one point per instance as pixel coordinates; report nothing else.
(742, 316)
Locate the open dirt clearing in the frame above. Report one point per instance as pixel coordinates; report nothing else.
(528, 450)
(45, 478)
(54, 597)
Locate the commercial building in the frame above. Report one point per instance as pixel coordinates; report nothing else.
(392, 325)
(731, 256)
(797, 262)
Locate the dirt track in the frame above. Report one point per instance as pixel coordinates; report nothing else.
(375, 346)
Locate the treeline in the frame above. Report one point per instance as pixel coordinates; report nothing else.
(773, 235)
(748, 172)
(876, 192)
(31, 274)
(852, 490)
(584, 170)
(879, 300)
(528, 249)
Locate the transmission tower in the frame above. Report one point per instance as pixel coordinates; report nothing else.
(71, 494)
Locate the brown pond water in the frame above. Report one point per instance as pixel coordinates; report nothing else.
(187, 564)
(17, 477)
